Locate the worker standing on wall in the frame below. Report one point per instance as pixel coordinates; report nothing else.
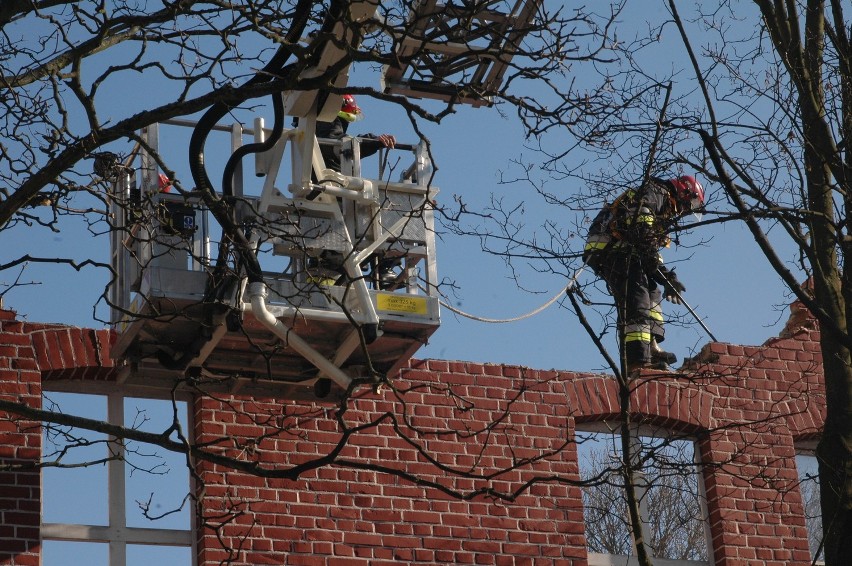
(623, 249)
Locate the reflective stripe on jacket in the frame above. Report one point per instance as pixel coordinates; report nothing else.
(633, 218)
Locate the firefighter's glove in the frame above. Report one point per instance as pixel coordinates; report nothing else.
(672, 287)
(650, 261)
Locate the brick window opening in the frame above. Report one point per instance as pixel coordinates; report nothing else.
(130, 504)
(808, 469)
(87, 503)
(669, 489)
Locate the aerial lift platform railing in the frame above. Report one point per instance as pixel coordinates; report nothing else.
(321, 314)
(165, 257)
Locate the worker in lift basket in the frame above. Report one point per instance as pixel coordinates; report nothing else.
(369, 144)
(336, 130)
(623, 249)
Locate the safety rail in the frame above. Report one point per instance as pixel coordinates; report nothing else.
(348, 289)
(349, 271)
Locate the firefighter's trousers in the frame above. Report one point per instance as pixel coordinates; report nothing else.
(630, 279)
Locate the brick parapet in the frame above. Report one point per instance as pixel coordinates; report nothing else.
(347, 511)
(747, 406)
(765, 400)
(66, 352)
(20, 447)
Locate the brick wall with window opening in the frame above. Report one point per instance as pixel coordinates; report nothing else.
(746, 407)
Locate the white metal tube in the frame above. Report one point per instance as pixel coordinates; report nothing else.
(236, 143)
(257, 295)
(359, 283)
(260, 158)
(117, 499)
(342, 193)
(279, 311)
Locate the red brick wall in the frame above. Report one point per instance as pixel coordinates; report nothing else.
(746, 405)
(345, 515)
(20, 446)
(765, 399)
(29, 354)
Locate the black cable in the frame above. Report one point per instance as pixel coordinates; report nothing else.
(248, 259)
(220, 109)
(216, 286)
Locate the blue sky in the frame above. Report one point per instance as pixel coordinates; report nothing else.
(728, 282)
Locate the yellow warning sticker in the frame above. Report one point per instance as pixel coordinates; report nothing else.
(402, 303)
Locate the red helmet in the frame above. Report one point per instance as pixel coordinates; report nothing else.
(349, 110)
(688, 192)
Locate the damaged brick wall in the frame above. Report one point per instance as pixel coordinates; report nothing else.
(747, 406)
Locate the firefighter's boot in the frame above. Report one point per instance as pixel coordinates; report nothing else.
(660, 355)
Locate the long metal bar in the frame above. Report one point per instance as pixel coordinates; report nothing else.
(257, 295)
(689, 308)
(128, 535)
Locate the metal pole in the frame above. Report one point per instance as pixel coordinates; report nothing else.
(689, 308)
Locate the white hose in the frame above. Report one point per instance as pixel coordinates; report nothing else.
(257, 296)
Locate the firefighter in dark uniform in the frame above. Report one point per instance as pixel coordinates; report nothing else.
(623, 249)
(369, 144)
(336, 130)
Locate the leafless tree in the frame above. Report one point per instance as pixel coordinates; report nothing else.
(809, 488)
(70, 129)
(67, 67)
(670, 502)
(758, 97)
(798, 177)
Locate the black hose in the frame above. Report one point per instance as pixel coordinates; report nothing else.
(277, 104)
(219, 110)
(267, 144)
(251, 264)
(198, 139)
(224, 211)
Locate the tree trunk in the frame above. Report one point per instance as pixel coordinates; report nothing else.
(834, 453)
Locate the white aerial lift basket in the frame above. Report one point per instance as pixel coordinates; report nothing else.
(342, 284)
(325, 314)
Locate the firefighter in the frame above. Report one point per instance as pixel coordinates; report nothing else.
(369, 144)
(623, 249)
(336, 130)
